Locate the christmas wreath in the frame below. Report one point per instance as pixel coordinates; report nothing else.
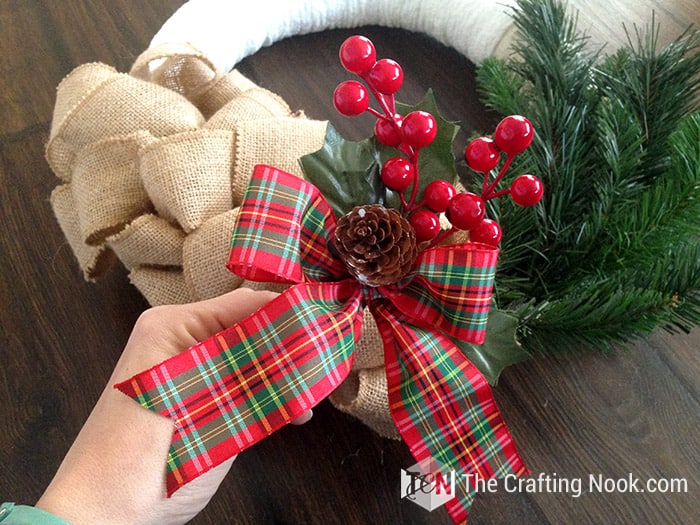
(607, 251)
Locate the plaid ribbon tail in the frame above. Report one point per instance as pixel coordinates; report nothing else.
(237, 387)
(443, 407)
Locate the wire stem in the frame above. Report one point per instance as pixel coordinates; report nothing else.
(486, 195)
(442, 236)
(497, 194)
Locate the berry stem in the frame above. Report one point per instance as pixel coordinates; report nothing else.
(414, 191)
(485, 183)
(419, 204)
(404, 204)
(376, 113)
(488, 193)
(497, 194)
(386, 102)
(388, 106)
(390, 101)
(442, 236)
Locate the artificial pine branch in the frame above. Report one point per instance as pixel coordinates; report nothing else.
(658, 83)
(612, 251)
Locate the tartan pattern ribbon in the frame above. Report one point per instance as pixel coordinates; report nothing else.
(235, 388)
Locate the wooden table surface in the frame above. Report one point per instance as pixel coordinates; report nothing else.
(631, 413)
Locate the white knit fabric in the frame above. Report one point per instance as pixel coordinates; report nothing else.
(230, 30)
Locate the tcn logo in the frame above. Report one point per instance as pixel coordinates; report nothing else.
(428, 485)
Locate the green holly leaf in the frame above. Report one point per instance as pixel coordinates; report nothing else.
(436, 161)
(346, 172)
(500, 348)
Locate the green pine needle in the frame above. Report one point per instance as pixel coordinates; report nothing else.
(612, 250)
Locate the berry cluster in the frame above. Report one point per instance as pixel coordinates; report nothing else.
(512, 136)
(418, 129)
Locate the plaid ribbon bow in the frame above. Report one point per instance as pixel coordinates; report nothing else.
(235, 388)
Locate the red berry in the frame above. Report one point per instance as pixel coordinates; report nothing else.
(514, 134)
(482, 155)
(397, 173)
(526, 190)
(357, 54)
(351, 98)
(466, 210)
(386, 76)
(437, 195)
(487, 231)
(426, 224)
(388, 132)
(419, 129)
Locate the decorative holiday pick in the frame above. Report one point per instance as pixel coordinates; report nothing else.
(235, 388)
(417, 130)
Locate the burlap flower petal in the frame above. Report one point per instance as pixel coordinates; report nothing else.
(139, 105)
(94, 261)
(149, 240)
(278, 142)
(188, 175)
(204, 257)
(187, 71)
(77, 86)
(224, 89)
(176, 66)
(107, 185)
(160, 286)
(254, 104)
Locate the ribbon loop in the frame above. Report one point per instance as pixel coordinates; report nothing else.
(281, 231)
(451, 290)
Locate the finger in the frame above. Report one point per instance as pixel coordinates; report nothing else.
(210, 316)
(167, 330)
(304, 418)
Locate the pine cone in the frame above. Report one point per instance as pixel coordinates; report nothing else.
(377, 244)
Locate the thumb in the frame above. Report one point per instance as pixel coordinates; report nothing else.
(205, 318)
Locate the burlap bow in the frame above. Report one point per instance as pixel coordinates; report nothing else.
(244, 383)
(153, 166)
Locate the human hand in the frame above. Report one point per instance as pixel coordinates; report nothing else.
(115, 471)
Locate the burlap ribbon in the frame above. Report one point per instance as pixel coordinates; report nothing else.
(153, 166)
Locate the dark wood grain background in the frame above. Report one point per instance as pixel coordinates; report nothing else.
(634, 412)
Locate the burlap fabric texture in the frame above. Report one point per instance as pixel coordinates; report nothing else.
(153, 166)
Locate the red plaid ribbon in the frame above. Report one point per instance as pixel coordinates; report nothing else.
(242, 384)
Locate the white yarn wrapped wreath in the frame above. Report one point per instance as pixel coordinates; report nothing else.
(228, 31)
